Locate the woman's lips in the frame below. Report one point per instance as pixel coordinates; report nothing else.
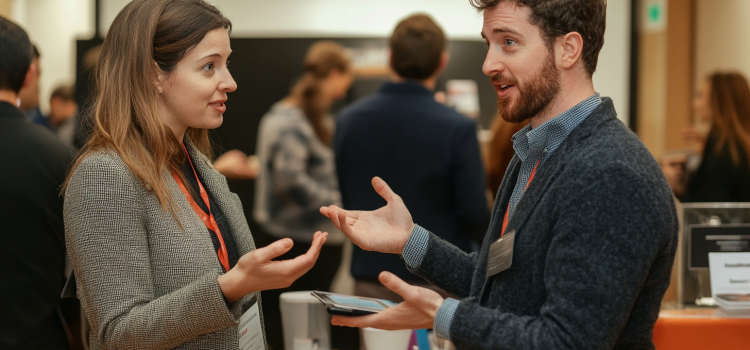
(219, 106)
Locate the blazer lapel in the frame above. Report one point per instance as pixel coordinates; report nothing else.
(228, 202)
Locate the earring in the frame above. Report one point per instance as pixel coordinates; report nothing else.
(159, 88)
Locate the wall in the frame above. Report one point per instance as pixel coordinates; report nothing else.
(721, 36)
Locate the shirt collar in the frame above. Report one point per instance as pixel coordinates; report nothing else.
(546, 138)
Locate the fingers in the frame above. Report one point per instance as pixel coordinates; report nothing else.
(359, 321)
(396, 285)
(273, 250)
(383, 189)
(301, 264)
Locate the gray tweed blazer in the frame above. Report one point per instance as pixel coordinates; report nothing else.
(143, 282)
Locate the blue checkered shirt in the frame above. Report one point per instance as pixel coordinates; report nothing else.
(533, 144)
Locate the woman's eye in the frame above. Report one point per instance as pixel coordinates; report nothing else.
(510, 42)
(208, 67)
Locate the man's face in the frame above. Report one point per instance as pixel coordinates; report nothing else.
(29, 95)
(519, 63)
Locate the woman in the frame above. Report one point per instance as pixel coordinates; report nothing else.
(297, 174)
(723, 99)
(162, 253)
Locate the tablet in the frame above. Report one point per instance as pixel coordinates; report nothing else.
(349, 305)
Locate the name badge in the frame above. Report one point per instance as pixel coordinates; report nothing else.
(250, 330)
(501, 254)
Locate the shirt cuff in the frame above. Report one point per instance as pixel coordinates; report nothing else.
(444, 318)
(416, 247)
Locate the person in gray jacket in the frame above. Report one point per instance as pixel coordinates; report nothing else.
(161, 250)
(583, 234)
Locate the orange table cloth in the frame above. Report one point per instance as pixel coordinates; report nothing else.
(702, 329)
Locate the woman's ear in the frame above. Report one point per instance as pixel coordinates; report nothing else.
(161, 77)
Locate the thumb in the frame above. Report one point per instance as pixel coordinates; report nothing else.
(396, 284)
(273, 250)
(383, 189)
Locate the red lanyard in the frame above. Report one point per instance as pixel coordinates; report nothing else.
(208, 220)
(531, 177)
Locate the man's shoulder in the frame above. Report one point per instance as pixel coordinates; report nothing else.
(38, 141)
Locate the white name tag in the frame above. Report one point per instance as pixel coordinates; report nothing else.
(250, 330)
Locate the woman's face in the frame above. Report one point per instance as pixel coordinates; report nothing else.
(339, 83)
(701, 101)
(193, 94)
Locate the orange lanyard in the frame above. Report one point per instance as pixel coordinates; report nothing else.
(208, 220)
(531, 177)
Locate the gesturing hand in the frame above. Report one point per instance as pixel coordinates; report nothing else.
(417, 311)
(384, 230)
(255, 271)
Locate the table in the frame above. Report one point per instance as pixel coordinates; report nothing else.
(701, 328)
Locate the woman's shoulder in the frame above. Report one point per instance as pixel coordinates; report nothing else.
(284, 118)
(101, 166)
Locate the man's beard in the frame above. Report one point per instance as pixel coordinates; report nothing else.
(536, 95)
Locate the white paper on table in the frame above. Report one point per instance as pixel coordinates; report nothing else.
(730, 273)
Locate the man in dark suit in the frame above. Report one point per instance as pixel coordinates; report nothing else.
(33, 163)
(584, 231)
(428, 152)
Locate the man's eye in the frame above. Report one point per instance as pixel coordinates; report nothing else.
(510, 42)
(208, 67)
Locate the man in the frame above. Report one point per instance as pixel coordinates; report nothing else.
(591, 227)
(29, 94)
(33, 163)
(62, 112)
(428, 152)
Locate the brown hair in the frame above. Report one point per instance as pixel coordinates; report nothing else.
(417, 43)
(124, 112)
(321, 59)
(556, 18)
(64, 93)
(729, 99)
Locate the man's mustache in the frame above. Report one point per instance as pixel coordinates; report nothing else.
(500, 79)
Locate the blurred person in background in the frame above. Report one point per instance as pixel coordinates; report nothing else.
(427, 152)
(29, 95)
(723, 101)
(162, 253)
(62, 112)
(33, 163)
(297, 170)
(500, 151)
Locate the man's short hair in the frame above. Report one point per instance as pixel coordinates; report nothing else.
(64, 93)
(416, 46)
(556, 18)
(16, 55)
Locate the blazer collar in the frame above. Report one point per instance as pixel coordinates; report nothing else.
(8, 110)
(216, 185)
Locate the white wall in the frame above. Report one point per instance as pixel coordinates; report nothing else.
(612, 76)
(721, 41)
(55, 24)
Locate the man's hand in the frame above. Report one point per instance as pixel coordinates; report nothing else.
(385, 230)
(417, 311)
(255, 271)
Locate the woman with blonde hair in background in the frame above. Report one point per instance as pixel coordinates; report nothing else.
(162, 253)
(723, 100)
(297, 169)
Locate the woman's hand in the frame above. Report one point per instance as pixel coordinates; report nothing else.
(255, 271)
(417, 311)
(236, 165)
(385, 230)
